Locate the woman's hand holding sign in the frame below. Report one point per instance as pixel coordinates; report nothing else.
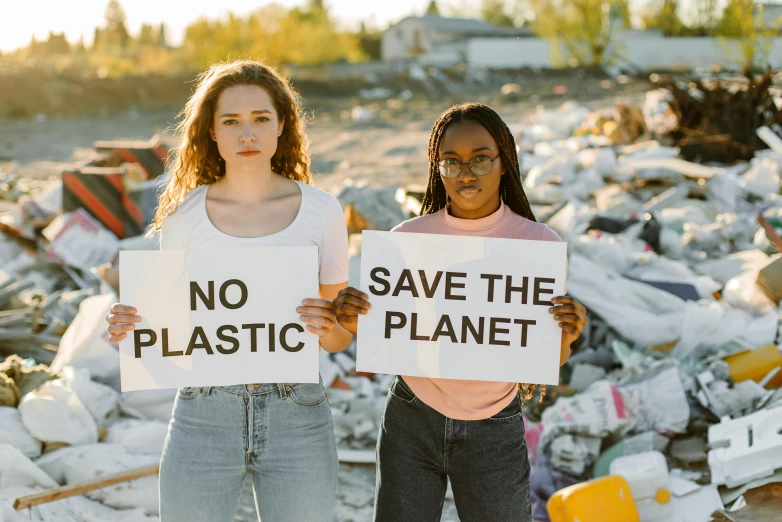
(571, 317)
(122, 320)
(349, 304)
(318, 314)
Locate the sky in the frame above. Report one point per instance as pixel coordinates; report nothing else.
(21, 19)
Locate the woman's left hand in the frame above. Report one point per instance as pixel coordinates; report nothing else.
(571, 316)
(319, 316)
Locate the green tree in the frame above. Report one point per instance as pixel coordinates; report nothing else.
(432, 9)
(744, 34)
(116, 30)
(496, 13)
(299, 36)
(585, 28)
(664, 15)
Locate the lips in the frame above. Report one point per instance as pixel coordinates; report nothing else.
(468, 192)
(248, 152)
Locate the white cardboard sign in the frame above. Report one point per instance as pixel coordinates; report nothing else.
(218, 317)
(457, 307)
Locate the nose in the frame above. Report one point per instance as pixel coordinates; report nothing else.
(466, 174)
(247, 134)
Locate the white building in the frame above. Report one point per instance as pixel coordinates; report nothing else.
(769, 13)
(437, 39)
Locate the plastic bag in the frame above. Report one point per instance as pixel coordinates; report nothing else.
(85, 344)
(657, 401)
(54, 413)
(18, 470)
(139, 437)
(13, 432)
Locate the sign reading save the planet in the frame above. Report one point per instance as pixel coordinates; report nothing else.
(457, 307)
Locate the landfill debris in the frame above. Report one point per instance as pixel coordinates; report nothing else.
(588, 501)
(647, 475)
(674, 253)
(746, 448)
(717, 120)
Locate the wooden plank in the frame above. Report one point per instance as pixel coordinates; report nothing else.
(51, 495)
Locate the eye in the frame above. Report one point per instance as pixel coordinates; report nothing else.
(262, 119)
(229, 122)
(450, 161)
(481, 159)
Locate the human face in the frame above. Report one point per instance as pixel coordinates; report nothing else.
(472, 196)
(246, 128)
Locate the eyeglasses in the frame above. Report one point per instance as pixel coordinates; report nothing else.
(479, 165)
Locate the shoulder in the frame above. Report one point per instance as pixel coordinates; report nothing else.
(317, 198)
(531, 229)
(188, 208)
(420, 223)
(179, 226)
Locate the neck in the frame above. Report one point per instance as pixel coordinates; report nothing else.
(486, 210)
(247, 185)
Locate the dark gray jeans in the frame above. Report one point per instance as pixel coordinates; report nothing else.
(485, 460)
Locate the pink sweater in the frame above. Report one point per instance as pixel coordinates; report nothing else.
(471, 400)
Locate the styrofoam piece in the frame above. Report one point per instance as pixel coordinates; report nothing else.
(746, 448)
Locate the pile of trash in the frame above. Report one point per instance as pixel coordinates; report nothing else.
(674, 386)
(671, 395)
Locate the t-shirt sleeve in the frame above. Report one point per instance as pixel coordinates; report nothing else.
(333, 252)
(170, 238)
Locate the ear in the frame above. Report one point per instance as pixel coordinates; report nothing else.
(212, 135)
(279, 130)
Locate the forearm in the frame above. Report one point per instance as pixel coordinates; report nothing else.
(337, 340)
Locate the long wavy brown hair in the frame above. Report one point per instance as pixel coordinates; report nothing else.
(196, 161)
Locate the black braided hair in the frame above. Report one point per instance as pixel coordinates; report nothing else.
(511, 190)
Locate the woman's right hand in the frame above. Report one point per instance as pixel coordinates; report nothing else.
(349, 304)
(122, 320)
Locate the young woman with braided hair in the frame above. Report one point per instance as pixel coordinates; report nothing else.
(470, 432)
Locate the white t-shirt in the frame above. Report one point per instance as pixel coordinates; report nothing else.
(320, 222)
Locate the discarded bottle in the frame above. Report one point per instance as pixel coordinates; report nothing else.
(606, 499)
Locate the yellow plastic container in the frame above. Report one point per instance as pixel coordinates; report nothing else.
(755, 364)
(605, 499)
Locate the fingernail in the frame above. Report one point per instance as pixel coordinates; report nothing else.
(137, 318)
(301, 318)
(133, 310)
(557, 317)
(298, 309)
(130, 327)
(551, 310)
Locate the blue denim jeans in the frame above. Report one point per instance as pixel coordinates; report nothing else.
(485, 460)
(281, 432)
